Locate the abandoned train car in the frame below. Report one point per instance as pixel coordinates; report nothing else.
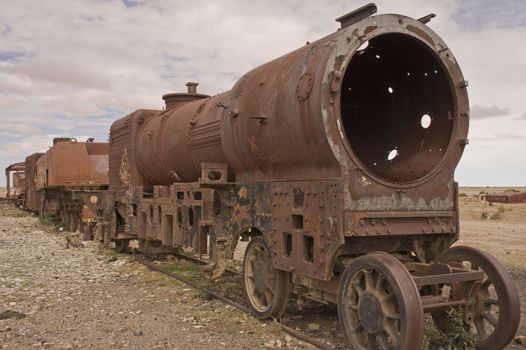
(67, 180)
(16, 183)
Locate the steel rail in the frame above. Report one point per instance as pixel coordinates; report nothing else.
(209, 293)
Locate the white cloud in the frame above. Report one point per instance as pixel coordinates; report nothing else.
(479, 112)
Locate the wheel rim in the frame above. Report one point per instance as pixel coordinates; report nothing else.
(379, 306)
(373, 311)
(492, 314)
(260, 277)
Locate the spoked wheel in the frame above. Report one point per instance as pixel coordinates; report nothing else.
(493, 311)
(267, 289)
(122, 245)
(379, 305)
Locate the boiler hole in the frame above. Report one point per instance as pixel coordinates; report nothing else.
(392, 154)
(425, 121)
(363, 46)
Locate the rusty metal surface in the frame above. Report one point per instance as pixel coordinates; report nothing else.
(506, 197)
(15, 171)
(345, 146)
(304, 122)
(366, 139)
(32, 198)
(70, 163)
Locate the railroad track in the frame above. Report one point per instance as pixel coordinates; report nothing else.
(212, 294)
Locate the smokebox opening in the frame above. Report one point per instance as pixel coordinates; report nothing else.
(397, 107)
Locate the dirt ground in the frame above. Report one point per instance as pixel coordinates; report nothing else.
(56, 297)
(504, 236)
(71, 298)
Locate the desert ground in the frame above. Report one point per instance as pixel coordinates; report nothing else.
(57, 293)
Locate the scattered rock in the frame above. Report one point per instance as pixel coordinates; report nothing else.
(113, 258)
(138, 333)
(73, 240)
(490, 216)
(313, 327)
(520, 339)
(11, 314)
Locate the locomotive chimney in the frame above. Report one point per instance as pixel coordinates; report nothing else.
(178, 99)
(192, 87)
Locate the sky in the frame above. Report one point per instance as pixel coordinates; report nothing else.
(70, 68)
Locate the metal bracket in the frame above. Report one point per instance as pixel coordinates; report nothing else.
(357, 15)
(427, 19)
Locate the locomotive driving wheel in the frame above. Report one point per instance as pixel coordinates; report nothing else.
(267, 289)
(379, 305)
(492, 314)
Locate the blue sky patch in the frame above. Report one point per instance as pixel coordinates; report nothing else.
(11, 56)
(479, 14)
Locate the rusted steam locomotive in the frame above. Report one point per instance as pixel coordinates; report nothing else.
(336, 163)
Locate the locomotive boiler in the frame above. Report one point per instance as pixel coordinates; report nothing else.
(336, 163)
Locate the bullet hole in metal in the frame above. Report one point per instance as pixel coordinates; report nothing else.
(390, 90)
(377, 56)
(392, 154)
(425, 121)
(363, 46)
